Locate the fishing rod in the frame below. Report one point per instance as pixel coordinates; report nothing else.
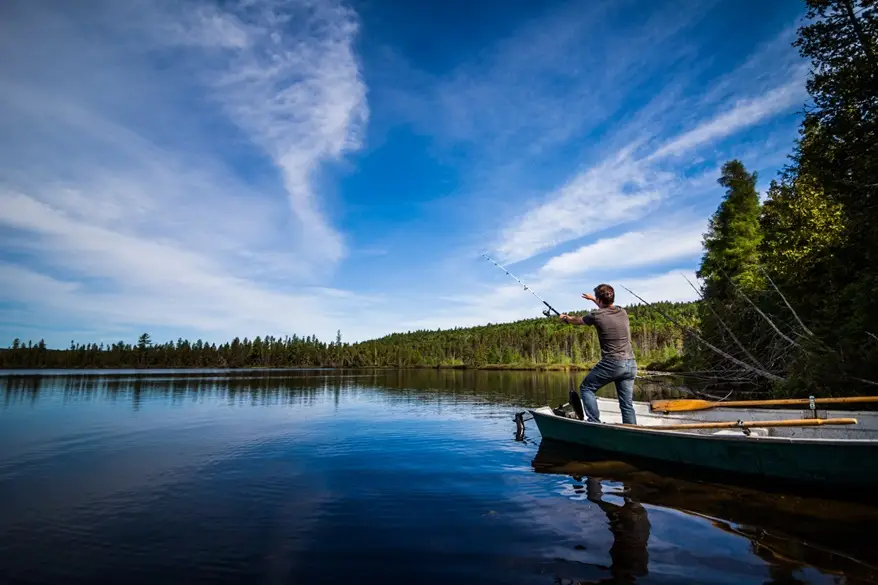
(527, 288)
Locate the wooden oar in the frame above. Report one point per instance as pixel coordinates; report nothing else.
(685, 404)
(800, 422)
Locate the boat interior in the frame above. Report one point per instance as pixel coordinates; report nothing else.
(866, 427)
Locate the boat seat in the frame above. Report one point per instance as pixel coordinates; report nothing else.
(758, 431)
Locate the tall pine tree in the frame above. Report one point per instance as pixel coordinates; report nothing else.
(729, 269)
(731, 245)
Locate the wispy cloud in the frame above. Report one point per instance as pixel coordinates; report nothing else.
(286, 73)
(640, 168)
(742, 114)
(636, 181)
(632, 249)
(170, 164)
(152, 283)
(609, 194)
(300, 96)
(557, 76)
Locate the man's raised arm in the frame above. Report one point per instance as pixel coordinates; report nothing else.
(574, 320)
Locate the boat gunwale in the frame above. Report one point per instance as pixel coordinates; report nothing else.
(546, 411)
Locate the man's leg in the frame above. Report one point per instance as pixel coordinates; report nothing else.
(597, 378)
(625, 391)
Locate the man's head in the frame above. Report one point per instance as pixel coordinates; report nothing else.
(605, 294)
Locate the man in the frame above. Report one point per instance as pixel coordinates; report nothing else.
(617, 362)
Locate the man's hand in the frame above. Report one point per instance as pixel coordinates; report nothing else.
(589, 297)
(564, 317)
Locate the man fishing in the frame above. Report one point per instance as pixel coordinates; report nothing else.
(617, 363)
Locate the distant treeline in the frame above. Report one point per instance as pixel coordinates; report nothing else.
(530, 343)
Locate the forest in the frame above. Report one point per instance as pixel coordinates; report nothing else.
(787, 282)
(531, 343)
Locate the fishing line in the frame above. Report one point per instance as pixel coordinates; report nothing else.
(527, 288)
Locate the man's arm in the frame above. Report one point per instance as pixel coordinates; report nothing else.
(573, 320)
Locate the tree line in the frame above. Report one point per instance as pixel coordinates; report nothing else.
(529, 343)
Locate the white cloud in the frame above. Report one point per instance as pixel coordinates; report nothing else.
(631, 249)
(290, 79)
(670, 286)
(743, 114)
(614, 192)
(155, 283)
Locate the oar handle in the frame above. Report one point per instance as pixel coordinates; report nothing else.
(799, 422)
(684, 404)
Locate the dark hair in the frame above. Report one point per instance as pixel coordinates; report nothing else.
(605, 293)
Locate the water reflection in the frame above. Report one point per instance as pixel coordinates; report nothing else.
(291, 387)
(788, 532)
(441, 482)
(629, 524)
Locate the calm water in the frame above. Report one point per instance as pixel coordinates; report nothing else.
(349, 477)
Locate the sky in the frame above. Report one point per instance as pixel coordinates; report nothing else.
(211, 169)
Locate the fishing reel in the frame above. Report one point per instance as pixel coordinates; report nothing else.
(547, 313)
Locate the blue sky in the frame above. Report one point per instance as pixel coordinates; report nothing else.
(210, 169)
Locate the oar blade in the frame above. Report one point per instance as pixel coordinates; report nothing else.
(680, 405)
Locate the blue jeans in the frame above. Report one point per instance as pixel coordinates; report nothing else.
(622, 372)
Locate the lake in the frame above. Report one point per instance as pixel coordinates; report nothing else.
(317, 476)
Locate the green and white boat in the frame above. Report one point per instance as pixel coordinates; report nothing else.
(758, 447)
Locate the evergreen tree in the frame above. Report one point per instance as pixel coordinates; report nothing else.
(730, 269)
(731, 245)
(143, 341)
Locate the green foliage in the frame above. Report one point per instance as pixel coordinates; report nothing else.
(523, 344)
(729, 268)
(801, 227)
(821, 237)
(803, 233)
(731, 245)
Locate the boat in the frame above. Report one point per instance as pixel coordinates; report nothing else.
(792, 446)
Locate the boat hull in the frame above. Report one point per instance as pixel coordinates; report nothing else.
(815, 461)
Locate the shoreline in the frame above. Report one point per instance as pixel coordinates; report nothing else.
(486, 368)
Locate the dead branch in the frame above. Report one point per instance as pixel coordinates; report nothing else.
(872, 335)
(869, 382)
(786, 302)
(712, 347)
(726, 327)
(764, 316)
